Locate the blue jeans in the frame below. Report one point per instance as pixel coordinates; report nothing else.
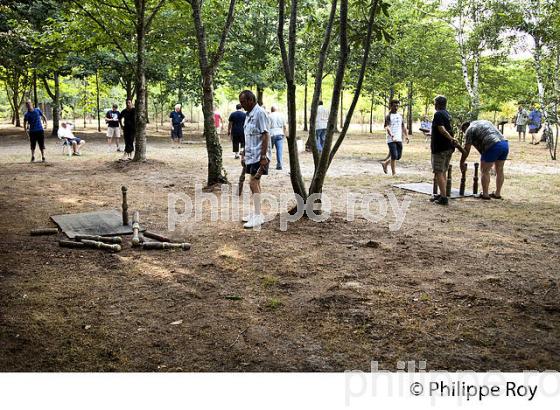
(320, 137)
(278, 143)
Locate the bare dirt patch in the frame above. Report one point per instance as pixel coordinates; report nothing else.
(473, 286)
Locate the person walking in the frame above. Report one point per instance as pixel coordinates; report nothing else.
(35, 124)
(277, 126)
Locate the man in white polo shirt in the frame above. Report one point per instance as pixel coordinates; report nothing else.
(395, 128)
(257, 153)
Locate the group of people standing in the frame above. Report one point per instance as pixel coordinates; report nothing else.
(481, 134)
(532, 119)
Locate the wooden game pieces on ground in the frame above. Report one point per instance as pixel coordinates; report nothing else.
(44, 231)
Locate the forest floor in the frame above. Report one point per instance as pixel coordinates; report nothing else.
(472, 286)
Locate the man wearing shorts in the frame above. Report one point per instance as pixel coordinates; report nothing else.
(521, 120)
(65, 133)
(442, 147)
(176, 120)
(395, 128)
(113, 127)
(494, 150)
(36, 132)
(257, 153)
(535, 119)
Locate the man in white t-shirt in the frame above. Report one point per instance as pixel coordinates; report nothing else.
(277, 130)
(65, 133)
(395, 128)
(521, 120)
(321, 125)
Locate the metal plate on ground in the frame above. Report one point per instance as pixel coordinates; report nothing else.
(425, 188)
(102, 223)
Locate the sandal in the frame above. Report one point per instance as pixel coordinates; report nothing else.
(480, 196)
(384, 166)
(494, 196)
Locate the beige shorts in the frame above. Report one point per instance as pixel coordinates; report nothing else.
(441, 160)
(113, 132)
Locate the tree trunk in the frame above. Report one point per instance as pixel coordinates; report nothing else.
(371, 115)
(208, 70)
(213, 146)
(305, 104)
(140, 106)
(56, 105)
(97, 100)
(341, 108)
(260, 95)
(35, 99)
(410, 103)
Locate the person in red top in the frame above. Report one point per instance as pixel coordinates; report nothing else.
(218, 121)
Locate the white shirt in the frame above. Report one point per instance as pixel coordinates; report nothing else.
(322, 118)
(65, 132)
(256, 124)
(395, 125)
(276, 123)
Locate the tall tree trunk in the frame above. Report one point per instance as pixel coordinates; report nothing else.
(371, 115)
(140, 106)
(56, 105)
(305, 104)
(410, 102)
(288, 64)
(341, 108)
(213, 146)
(316, 186)
(208, 69)
(260, 94)
(98, 105)
(35, 99)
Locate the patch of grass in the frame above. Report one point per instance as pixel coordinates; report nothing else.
(273, 303)
(269, 281)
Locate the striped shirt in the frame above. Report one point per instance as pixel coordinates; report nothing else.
(394, 121)
(256, 124)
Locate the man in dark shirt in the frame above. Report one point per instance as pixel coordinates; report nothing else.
(442, 147)
(494, 150)
(129, 128)
(235, 129)
(113, 127)
(176, 119)
(36, 132)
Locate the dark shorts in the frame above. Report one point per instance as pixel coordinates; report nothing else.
(237, 141)
(521, 128)
(177, 132)
(395, 149)
(37, 137)
(253, 168)
(76, 140)
(497, 152)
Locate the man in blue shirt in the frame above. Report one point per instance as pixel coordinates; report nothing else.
(235, 129)
(176, 119)
(535, 119)
(36, 132)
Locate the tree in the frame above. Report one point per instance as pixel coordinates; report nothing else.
(140, 16)
(208, 63)
(323, 160)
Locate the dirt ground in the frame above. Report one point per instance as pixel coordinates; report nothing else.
(471, 286)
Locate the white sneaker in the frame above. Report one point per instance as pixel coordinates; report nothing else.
(247, 217)
(254, 222)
